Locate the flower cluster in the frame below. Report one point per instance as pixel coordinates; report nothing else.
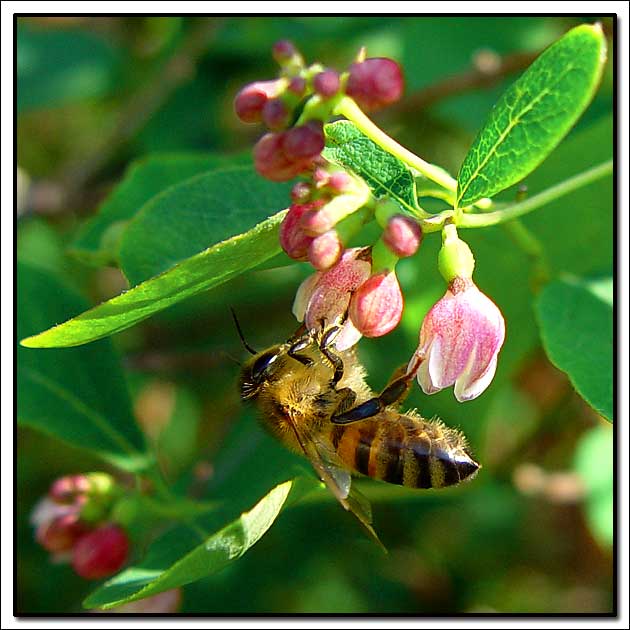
(309, 93)
(357, 288)
(73, 523)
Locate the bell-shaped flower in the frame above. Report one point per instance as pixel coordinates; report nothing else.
(460, 339)
(323, 298)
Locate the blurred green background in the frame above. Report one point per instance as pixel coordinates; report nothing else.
(533, 532)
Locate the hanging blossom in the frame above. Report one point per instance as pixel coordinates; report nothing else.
(462, 334)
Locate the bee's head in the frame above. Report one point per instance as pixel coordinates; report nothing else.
(258, 370)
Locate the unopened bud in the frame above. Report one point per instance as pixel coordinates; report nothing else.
(326, 83)
(301, 192)
(293, 239)
(304, 142)
(325, 250)
(297, 85)
(60, 533)
(275, 114)
(283, 51)
(100, 553)
(375, 83)
(402, 235)
(249, 102)
(339, 181)
(377, 305)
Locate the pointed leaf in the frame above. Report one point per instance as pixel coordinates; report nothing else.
(210, 268)
(535, 113)
(384, 173)
(177, 558)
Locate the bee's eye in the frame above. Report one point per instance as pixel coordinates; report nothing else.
(261, 364)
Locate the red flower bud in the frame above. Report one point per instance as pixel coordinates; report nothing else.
(249, 102)
(100, 553)
(326, 83)
(293, 239)
(325, 250)
(61, 533)
(375, 83)
(377, 305)
(338, 181)
(301, 192)
(304, 142)
(402, 235)
(66, 489)
(283, 51)
(275, 114)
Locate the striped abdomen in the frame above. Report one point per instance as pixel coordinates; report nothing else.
(404, 450)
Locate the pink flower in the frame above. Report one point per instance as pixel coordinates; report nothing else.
(460, 339)
(323, 298)
(377, 305)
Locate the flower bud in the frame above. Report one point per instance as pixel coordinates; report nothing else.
(375, 83)
(284, 51)
(270, 160)
(293, 239)
(301, 192)
(402, 235)
(326, 83)
(61, 533)
(324, 297)
(297, 86)
(338, 181)
(304, 142)
(377, 305)
(250, 101)
(460, 340)
(275, 114)
(325, 250)
(100, 553)
(66, 489)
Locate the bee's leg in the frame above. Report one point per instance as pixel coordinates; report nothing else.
(325, 347)
(345, 398)
(298, 345)
(394, 393)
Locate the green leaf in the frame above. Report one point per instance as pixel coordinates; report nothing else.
(576, 327)
(384, 173)
(97, 241)
(195, 214)
(535, 113)
(594, 459)
(210, 268)
(78, 396)
(61, 66)
(174, 559)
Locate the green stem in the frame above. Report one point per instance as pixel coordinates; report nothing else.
(350, 110)
(546, 196)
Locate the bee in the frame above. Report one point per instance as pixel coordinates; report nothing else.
(316, 402)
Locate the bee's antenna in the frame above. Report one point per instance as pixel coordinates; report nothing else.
(240, 333)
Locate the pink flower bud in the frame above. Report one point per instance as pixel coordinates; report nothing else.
(293, 238)
(320, 177)
(100, 553)
(326, 83)
(61, 533)
(283, 51)
(323, 298)
(270, 160)
(304, 142)
(339, 181)
(376, 306)
(460, 339)
(66, 489)
(325, 250)
(301, 192)
(297, 85)
(275, 114)
(402, 235)
(249, 102)
(375, 83)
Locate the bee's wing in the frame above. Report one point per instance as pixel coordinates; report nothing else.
(326, 464)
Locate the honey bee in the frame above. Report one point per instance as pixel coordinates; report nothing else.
(315, 400)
